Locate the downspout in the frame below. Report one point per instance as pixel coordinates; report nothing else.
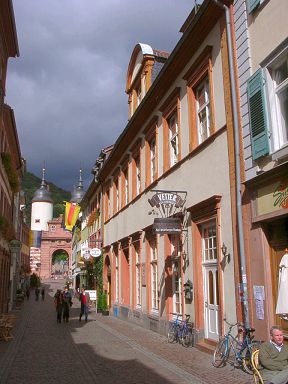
(243, 276)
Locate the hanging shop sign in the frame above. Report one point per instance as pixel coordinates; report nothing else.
(95, 252)
(170, 225)
(167, 204)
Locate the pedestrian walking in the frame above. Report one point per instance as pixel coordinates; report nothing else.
(27, 293)
(84, 299)
(43, 293)
(58, 301)
(37, 292)
(67, 303)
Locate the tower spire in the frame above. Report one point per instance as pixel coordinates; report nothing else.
(43, 183)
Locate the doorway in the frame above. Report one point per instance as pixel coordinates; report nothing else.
(278, 240)
(210, 280)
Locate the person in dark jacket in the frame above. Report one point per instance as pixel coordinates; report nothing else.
(273, 356)
(67, 302)
(58, 301)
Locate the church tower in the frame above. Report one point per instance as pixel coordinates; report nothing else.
(78, 193)
(42, 207)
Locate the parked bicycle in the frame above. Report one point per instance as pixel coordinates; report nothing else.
(236, 349)
(180, 331)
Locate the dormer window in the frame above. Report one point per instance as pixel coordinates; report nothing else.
(141, 73)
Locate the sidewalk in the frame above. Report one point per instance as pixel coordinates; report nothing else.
(104, 350)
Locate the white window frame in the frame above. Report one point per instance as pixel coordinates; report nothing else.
(177, 286)
(153, 165)
(154, 275)
(138, 276)
(138, 176)
(209, 242)
(173, 139)
(126, 187)
(279, 128)
(203, 109)
(175, 243)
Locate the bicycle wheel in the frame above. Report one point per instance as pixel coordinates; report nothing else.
(246, 356)
(186, 338)
(220, 354)
(172, 333)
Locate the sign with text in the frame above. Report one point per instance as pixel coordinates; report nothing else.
(167, 225)
(92, 294)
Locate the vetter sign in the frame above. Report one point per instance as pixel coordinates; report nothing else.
(170, 225)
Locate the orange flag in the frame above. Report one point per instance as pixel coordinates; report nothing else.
(71, 215)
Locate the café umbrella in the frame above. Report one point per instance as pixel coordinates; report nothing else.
(282, 300)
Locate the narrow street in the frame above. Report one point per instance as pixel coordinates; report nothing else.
(104, 350)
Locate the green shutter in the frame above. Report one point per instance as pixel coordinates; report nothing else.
(252, 4)
(258, 115)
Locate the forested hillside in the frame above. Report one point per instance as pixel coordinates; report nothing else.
(29, 185)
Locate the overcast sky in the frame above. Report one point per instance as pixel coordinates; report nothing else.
(67, 88)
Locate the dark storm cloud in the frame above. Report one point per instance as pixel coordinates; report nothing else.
(67, 88)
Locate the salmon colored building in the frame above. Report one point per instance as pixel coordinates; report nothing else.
(178, 145)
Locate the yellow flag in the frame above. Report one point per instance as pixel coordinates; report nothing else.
(71, 215)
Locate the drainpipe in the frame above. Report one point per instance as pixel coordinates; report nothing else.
(243, 277)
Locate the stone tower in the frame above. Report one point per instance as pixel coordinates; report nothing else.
(42, 207)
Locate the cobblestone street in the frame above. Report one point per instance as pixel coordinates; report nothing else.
(104, 350)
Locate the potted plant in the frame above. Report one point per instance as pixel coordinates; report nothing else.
(105, 310)
(99, 303)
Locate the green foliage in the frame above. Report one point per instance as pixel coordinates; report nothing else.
(98, 272)
(6, 229)
(58, 209)
(10, 171)
(102, 301)
(59, 255)
(30, 183)
(34, 280)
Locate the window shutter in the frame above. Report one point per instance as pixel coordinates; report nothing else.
(258, 115)
(252, 4)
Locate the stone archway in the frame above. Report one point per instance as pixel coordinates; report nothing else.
(60, 263)
(55, 240)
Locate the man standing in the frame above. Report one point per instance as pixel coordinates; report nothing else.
(67, 302)
(273, 357)
(84, 299)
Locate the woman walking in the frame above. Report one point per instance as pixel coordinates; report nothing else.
(58, 300)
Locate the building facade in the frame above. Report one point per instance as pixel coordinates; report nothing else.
(263, 95)
(179, 142)
(12, 231)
